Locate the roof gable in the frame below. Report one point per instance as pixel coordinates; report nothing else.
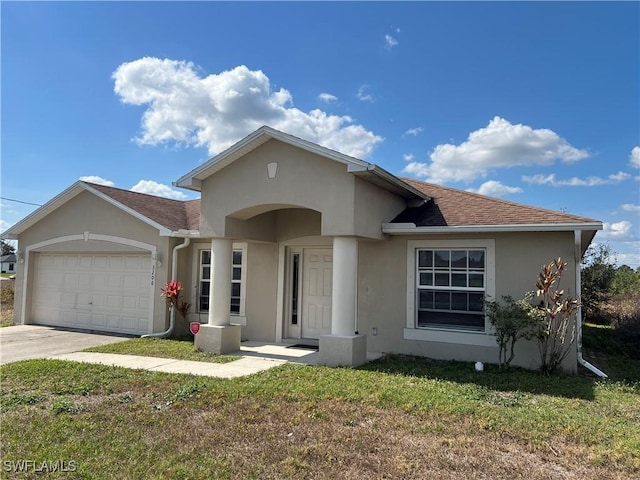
(172, 214)
(367, 171)
(164, 214)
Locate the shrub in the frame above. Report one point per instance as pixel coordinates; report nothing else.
(555, 317)
(511, 321)
(623, 312)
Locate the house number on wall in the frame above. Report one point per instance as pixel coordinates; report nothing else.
(153, 275)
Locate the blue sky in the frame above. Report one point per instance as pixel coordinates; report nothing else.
(536, 103)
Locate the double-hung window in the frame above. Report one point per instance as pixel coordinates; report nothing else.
(450, 288)
(238, 273)
(447, 282)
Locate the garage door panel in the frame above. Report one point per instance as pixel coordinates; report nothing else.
(98, 281)
(98, 300)
(132, 281)
(47, 297)
(93, 291)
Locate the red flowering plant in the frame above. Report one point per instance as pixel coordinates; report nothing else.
(172, 293)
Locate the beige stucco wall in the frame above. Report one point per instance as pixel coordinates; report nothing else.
(242, 191)
(373, 207)
(382, 284)
(88, 213)
(259, 321)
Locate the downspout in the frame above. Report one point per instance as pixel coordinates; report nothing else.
(578, 259)
(174, 274)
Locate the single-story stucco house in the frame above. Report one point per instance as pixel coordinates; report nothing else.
(294, 242)
(8, 263)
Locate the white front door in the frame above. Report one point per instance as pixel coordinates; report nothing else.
(317, 271)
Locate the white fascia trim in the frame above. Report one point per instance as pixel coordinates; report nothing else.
(164, 231)
(265, 133)
(389, 177)
(57, 201)
(411, 229)
(186, 234)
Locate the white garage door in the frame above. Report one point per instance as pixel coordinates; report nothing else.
(109, 292)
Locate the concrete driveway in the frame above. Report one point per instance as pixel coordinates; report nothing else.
(21, 342)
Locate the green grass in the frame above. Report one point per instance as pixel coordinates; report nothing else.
(163, 348)
(399, 417)
(6, 318)
(610, 352)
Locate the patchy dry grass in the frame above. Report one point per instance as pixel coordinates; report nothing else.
(400, 417)
(7, 292)
(163, 348)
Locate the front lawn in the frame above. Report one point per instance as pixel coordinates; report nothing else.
(163, 348)
(399, 417)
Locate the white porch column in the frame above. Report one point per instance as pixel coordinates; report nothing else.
(218, 335)
(345, 278)
(343, 347)
(220, 284)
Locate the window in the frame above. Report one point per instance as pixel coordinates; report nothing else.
(295, 279)
(450, 288)
(236, 281)
(11, 267)
(446, 283)
(236, 302)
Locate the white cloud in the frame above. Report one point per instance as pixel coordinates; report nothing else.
(217, 110)
(98, 180)
(158, 189)
(413, 131)
(631, 259)
(550, 179)
(389, 41)
(634, 158)
(4, 225)
(500, 144)
(408, 157)
(363, 95)
(327, 97)
(628, 207)
(493, 188)
(619, 231)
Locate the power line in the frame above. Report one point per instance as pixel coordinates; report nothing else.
(20, 201)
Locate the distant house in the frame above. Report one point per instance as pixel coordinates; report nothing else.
(293, 242)
(8, 263)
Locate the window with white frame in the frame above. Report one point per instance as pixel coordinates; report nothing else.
(447, 281)
(236, 302)
(450, 288)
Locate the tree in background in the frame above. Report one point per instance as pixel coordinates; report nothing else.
(7, 248)
(598, 273)
(626, 280)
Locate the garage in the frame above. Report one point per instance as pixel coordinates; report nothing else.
(105, 292)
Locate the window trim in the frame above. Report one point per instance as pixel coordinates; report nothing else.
(443, 333)
(236, 318)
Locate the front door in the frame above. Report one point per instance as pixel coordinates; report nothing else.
(317, 271)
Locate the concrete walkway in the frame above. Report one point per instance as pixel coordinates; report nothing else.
(237, 368)
(256, 357)
(31, 341)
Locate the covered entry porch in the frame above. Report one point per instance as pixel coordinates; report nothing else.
(315, 302)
